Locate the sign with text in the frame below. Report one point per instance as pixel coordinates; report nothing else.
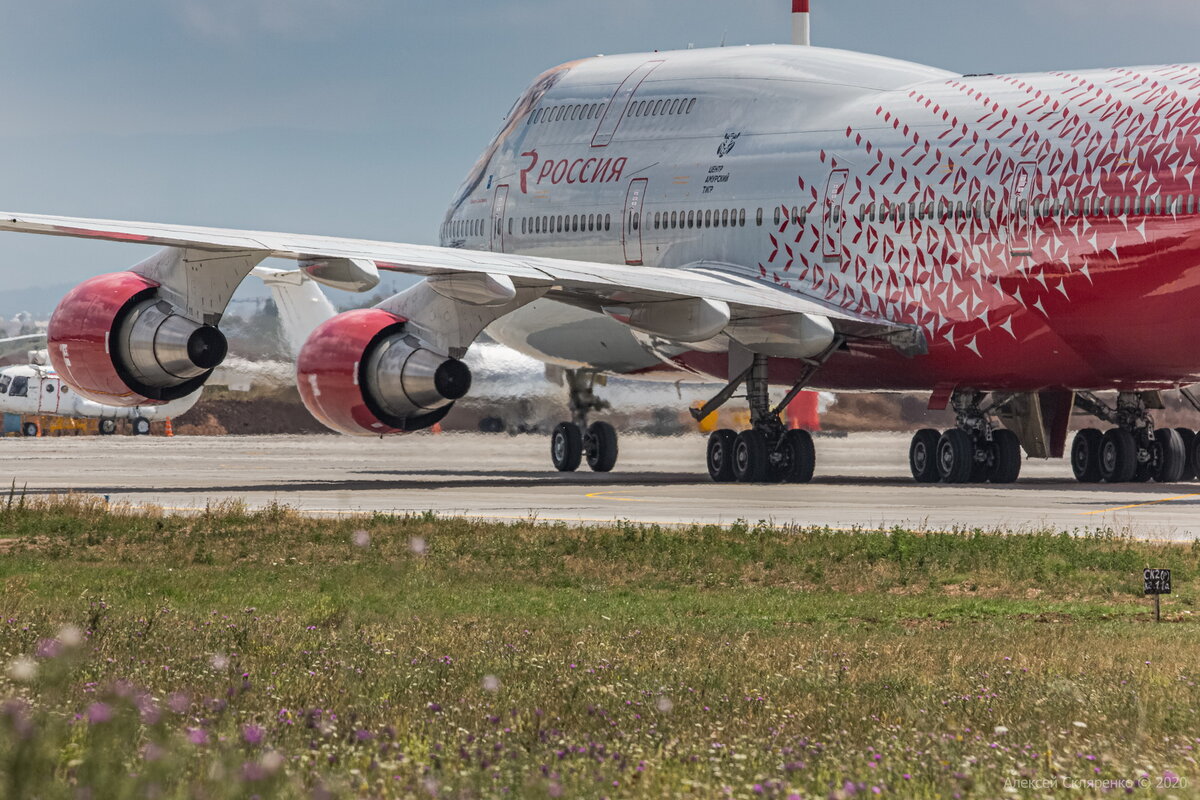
(1156, 581)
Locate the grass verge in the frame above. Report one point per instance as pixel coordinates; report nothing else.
(237, 653)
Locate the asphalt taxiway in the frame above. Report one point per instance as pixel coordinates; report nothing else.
(862, 480)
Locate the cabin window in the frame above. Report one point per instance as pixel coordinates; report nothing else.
(777, 215)
(607, 221)
(691, 104)
(523, 221)
(759, 216)
(742, 217)
(725, 218)
(1191, 204)
(510, 226)
(674, 218)
(49, 388)
(658, 107)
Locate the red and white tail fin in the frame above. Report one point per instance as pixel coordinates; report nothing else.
(800, 23)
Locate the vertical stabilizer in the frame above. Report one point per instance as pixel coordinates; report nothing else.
(800, 22)
(302, 305)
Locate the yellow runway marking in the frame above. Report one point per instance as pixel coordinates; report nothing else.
(1147, 503)
(603, 496)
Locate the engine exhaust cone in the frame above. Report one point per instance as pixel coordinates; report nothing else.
(452, 379)
(207, 347)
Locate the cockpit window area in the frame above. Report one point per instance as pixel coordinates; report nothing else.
(19, 386)
(5, 380)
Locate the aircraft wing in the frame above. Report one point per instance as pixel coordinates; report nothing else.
(18, 344)
(581, 282)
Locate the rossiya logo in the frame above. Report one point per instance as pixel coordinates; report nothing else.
(566, 170)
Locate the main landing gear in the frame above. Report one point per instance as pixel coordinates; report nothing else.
(977, 450)
(1132, 451)
(572, 442)
(768, 452)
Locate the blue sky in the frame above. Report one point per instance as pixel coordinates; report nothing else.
(361, 118)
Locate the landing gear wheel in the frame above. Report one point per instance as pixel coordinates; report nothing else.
(566, 447)
(108, 427)
(30, 429)
(1118, 456)
(720, 455)
(601, 447)
(141, 426)
(1085, 455)
(1168, 456)
(955, 456)
(1189, 447)
(799, 457)
(1005, 460)
(922, 456)
(750, 457)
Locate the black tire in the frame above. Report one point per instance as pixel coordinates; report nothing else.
(1005, 464)
(601, 447)
(720, 455)
(1085, 455)
(566, 447)
(922, 456)
(1169, 458)
(30, 429)
(800, 457)
(750, 457)
(141, 426)
(1189, 447)
(107, 427)
(1118, 456)
(955, 456)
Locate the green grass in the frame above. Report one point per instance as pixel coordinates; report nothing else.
(237, 653)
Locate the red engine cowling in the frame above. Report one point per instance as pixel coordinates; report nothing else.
(362, 373)
(118, 343)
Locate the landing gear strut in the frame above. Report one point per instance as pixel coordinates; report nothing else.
(1133, 450)
(768, 452)
(977, 450)
(572, 442)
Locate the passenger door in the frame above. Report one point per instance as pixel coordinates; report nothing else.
(1020, 233)
(833, 215)
(631, 226)
(499, 203)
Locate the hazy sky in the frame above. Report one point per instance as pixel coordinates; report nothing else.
(361, 118)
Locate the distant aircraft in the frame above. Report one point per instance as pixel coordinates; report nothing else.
(790, 215)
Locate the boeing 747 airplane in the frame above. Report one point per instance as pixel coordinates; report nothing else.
(762, 216)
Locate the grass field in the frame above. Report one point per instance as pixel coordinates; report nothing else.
(238, 654)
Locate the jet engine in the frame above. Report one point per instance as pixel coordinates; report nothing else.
(118, 342)
(365, 373)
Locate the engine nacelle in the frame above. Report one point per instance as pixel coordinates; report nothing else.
(363, 373)
(119, 343)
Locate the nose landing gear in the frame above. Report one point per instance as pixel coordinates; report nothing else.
(573, 442)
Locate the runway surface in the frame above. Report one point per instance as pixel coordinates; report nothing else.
(862, 480)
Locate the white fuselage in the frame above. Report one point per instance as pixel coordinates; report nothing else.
(1000, 215)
